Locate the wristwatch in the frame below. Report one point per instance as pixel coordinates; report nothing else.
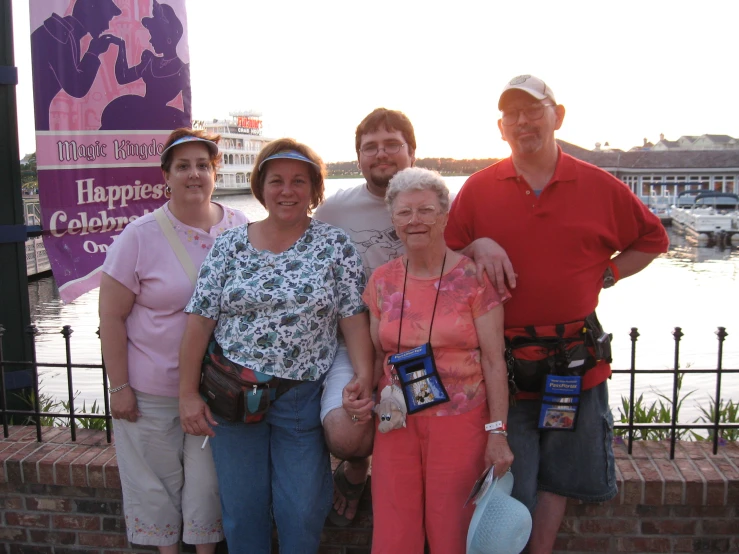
(609, 279)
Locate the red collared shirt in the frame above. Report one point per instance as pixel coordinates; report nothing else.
(560, 242)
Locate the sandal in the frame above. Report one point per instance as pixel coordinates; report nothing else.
(350, 491)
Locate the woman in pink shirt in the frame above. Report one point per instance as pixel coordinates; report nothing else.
(165, 474)
(430, 305)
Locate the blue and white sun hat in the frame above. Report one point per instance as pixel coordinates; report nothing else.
(212, 146)
(501, 524)
(288, 155)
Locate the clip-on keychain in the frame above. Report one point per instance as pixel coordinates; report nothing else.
(415, 369)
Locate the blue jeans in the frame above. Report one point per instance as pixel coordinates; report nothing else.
(578, 464)
(277, 468)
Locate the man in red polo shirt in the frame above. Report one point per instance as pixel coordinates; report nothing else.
(560, 221)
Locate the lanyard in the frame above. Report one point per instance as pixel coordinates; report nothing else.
(402, 302)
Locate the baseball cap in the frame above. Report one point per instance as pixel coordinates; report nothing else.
(500, 524)
(288, 155)
(530, 85)
(212, 146)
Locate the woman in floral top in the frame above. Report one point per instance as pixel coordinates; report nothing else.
(272, 293)
(423, 472)
(165, 475)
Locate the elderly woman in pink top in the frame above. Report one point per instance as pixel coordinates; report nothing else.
(165, 474)
(451, 378)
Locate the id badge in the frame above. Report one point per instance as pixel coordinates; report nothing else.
(560, 403)
(419, 380)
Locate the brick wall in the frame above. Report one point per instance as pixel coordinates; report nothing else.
(59, 497)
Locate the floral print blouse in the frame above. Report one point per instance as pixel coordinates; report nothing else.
(278, 313)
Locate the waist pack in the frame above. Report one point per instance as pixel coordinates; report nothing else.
(237, 393)
(573, 348)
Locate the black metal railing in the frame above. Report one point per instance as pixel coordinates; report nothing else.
(628, 429)
(36, 414)
(716, 426)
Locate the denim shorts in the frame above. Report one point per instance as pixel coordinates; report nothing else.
(577, 464)
(337, 377)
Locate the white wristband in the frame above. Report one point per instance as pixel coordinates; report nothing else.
(496, 425)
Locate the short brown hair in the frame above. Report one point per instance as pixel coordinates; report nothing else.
(318, 174)
(390, 120)
(177, 134)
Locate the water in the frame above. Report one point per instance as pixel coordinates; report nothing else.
(691, 287)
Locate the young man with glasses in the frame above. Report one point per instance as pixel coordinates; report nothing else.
(385, 143)
(560, 220)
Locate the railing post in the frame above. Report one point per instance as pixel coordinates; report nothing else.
(67, 333)
(721, 335)
(634, 334)
(32, 331)
(677, 334)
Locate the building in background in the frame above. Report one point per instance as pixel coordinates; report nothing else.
(657, 175)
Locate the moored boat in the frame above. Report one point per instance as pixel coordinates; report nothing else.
(37, 260)
(712, 217)
(241, 141)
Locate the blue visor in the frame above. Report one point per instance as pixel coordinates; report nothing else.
(212, 146)
(288, 155)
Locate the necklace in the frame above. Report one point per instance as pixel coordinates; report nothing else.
(436, 300)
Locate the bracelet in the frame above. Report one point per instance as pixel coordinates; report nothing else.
(499, 432)
(116, 389)
(496, 425)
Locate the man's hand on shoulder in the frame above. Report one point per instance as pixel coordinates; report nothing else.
(492, 259)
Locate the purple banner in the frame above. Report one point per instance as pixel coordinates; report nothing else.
(111, 79)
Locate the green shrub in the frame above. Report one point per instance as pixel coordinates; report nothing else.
(659, 411)
(728, 412)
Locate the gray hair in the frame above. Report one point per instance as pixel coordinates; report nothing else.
(417, 178)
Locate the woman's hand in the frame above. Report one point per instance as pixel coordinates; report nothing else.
(123, 405)
(356, 398)
(498, 454)
(195, 416)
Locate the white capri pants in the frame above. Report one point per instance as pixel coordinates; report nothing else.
(166, 477)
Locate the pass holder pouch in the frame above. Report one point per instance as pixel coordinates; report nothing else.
(560, 403)
(418, 378)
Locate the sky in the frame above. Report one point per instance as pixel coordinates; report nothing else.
(624, 70)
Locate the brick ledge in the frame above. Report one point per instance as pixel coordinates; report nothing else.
(696, 477)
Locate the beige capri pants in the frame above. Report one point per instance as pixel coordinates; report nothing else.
(166, 478)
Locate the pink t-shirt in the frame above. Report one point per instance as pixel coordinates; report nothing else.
(454, 337)
(143, 261)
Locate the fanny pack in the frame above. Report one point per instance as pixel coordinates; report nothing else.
(573, 348)
(237, 393)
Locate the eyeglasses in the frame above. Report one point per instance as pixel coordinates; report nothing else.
(425, 214)
(532, 113)
(371, 150)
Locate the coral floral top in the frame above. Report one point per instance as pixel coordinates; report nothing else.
(454, 337)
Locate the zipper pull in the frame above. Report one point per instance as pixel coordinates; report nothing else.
(254, 391)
